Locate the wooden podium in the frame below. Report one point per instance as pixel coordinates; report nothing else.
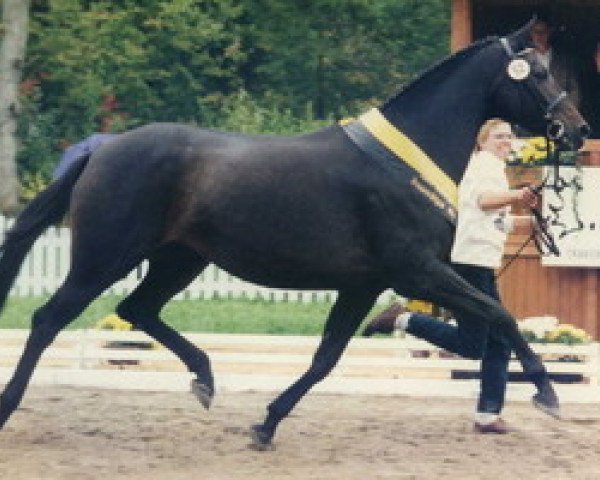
(529, 289)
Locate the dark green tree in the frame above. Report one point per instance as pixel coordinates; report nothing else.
(343, 54)
(248, 65)
(137, 61)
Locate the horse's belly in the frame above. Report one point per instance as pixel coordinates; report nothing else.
(305, 267)
(298, 278)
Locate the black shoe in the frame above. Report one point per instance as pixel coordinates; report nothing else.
(385, 322)
(547, 402)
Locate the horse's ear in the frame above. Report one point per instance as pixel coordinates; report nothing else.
(521, 38)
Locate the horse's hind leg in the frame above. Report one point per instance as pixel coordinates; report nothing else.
(443, 286)
(345, 317)
(171, 269)
(64, 306)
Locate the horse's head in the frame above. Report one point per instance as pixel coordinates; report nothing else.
(526, 94)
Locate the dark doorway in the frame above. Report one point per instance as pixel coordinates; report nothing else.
(576, 32)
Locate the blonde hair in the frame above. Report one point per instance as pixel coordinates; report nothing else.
(486, 128)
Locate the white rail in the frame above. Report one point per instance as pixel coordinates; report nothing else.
(381, 365)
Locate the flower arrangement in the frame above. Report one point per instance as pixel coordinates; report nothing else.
(529, 151)
(536, 327)
(533, 151)
(113, 322)
(549, 330)
(568, 334)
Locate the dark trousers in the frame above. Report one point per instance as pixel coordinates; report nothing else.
(473, 337)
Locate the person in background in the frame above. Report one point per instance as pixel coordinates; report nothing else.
(591, 105)
(483, 224)
(596, 91)
(80, 149)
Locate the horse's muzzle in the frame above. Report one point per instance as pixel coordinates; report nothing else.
(557, 132)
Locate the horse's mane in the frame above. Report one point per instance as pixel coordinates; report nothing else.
(444, 62)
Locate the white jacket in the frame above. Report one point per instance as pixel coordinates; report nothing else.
(480, 235)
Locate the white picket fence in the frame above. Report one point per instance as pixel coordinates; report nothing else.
(47, 265)
(113, 359)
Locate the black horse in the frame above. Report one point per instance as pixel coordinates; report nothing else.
(332, 209)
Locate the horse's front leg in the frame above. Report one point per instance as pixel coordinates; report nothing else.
(345, 317)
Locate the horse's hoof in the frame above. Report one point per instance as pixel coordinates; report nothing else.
(202, 392)
(4, 415)
(261, 440)
(547, 404)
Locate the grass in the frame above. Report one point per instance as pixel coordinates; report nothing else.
(217, 316)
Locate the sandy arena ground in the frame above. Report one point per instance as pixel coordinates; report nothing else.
(65, 433)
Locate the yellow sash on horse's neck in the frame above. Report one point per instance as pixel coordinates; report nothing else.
(410, 153)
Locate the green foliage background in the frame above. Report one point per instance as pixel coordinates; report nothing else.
(257, 66)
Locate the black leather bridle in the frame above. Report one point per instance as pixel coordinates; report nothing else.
(541, 235)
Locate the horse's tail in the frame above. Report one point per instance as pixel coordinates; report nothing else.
(45, 209)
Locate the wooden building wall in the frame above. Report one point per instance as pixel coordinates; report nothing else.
(529, 289)
(570, 294)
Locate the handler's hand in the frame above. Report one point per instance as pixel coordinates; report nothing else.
(527, 197)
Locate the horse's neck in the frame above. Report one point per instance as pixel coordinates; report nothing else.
(442, 113)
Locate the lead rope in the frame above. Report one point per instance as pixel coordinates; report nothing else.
(516, 255)
(540, 233)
